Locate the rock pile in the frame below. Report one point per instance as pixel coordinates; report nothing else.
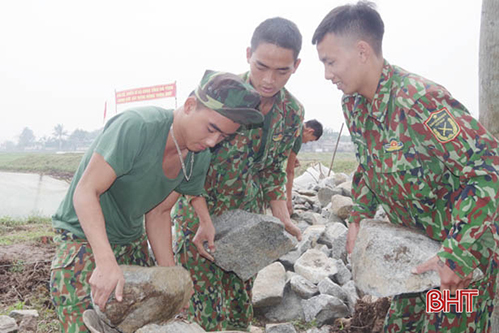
(313, 282)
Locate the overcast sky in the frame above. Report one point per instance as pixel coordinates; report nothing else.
(60, 61)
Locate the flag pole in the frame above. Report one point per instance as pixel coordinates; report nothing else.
(115, 103)
(335, 148)
(175, 83)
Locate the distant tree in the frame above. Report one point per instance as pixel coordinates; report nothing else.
(8, 145)
(26, 139)
(77, 138)
(60, 134)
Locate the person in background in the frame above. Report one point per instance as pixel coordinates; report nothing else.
(246, 172)
(312, 131)
(424, 159)
(128, 181)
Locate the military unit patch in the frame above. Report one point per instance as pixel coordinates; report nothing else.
(393, 145)
(443, 126)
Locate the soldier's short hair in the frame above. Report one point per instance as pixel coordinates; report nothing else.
(360, 21)
(278, 31)
(316, 126)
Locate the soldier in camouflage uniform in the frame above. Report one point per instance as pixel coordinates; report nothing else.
(246, 173)
(424, 159)
(131, 177)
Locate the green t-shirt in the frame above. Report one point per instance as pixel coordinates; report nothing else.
(133, 144)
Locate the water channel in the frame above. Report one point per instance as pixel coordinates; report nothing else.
(26, 194)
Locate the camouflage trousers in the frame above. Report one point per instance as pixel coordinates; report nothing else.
(221, 300)
(408, 312)
(71, 269)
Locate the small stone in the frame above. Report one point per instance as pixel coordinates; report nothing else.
(280, 328)
(315, 266)
(303, 287)
(268, 288)
(18, 315)
(8, 324)
(342, 206)
(324, 309)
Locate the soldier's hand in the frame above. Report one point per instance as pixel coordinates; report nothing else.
(353, 230)
(104, 280)
(448, 279)
(205, 234)
(293, 230)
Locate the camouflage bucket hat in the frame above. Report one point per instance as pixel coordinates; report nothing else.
(230, 96)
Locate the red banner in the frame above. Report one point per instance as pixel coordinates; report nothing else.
(144, 94)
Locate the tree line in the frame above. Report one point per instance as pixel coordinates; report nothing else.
(60, 139)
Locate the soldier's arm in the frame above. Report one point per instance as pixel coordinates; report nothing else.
(107, 276)
(158, 225)
(290, 173)
(470, 153)
(364, 207)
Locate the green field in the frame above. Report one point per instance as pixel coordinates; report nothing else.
(58, 165)
(343, 162)
(64, 165)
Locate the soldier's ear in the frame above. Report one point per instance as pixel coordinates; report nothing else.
(364, 50)
(190, 104)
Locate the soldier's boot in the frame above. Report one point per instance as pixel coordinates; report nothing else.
(96, 325)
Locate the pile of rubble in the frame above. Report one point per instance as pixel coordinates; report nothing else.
(313, 282)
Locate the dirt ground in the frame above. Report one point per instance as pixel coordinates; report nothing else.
(24, 272)
(25, 276)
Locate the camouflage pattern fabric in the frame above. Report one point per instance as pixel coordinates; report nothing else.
(71, 269)
(408, 312)
(246, 172)
(432, 167)
(221, 300)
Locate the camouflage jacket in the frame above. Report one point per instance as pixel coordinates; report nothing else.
(248, 171)
(429, 164)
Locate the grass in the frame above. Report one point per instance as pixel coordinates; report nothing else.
(343, 162)
(30, 229)
(59, 165)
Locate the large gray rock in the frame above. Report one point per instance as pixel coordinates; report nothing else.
(314, 265)
(268, 288)
(325, 309)
(384, 255)
(248, 242)
(150, 294)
